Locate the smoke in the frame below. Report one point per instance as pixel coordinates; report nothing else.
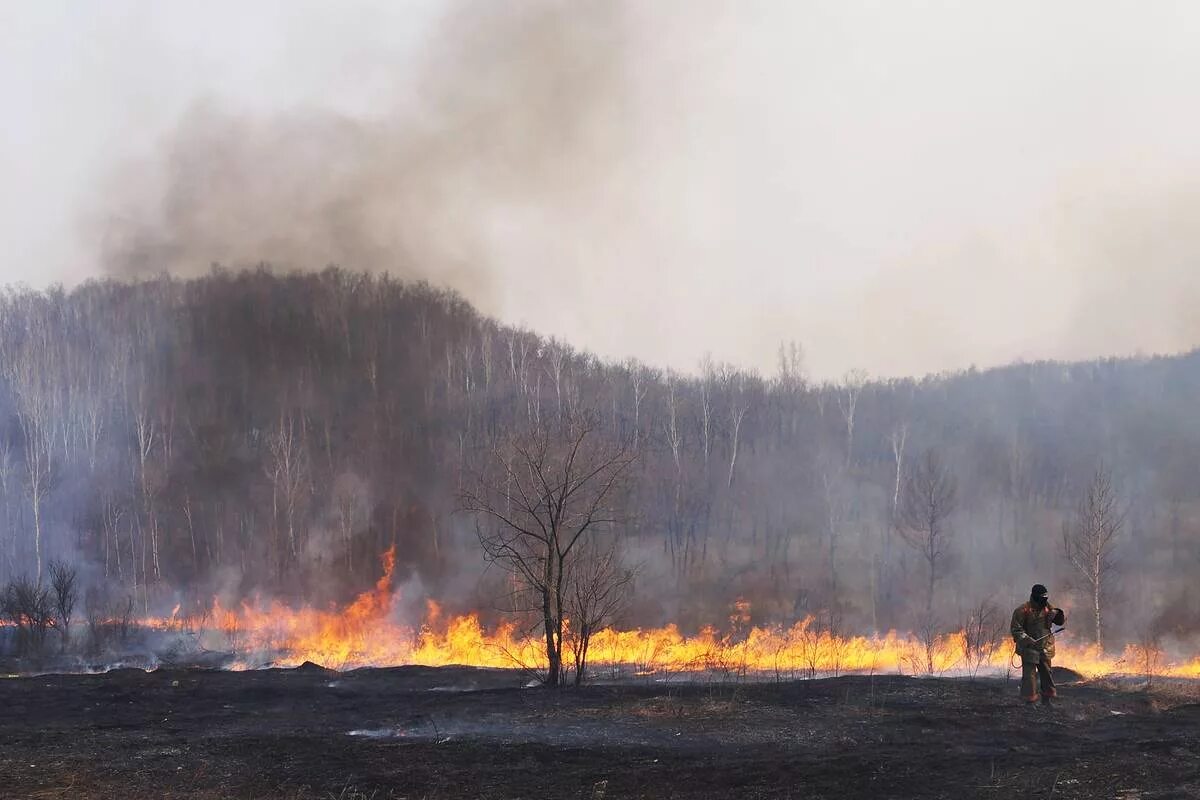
(513, 115)
(890, 187)
(1137, 253)
(509, 119)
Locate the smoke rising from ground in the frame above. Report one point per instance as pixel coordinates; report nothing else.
(904, 189)
(517, 115)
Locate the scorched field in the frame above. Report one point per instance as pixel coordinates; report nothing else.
(417, 732)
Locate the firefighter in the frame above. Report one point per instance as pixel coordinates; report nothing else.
(1035, 643)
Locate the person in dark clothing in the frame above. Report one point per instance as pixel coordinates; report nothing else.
(1034, 636)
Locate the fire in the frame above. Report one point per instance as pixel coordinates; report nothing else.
(367, 633)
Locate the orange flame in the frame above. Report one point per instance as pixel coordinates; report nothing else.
(365, 633)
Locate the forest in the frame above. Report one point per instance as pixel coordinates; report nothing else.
(259, 433)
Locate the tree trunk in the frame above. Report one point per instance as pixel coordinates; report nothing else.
(585, 638)
(932, 579)
(37, 533)
(553, 655)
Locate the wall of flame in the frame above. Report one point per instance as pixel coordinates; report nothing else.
(365, 634)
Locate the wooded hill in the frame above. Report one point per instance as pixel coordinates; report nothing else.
(255, 432)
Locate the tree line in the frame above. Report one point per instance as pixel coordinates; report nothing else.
(249, 431)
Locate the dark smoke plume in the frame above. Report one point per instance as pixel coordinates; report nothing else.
(517, 113)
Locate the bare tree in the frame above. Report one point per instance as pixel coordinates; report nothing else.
(707, 384)
(898, 438)
(146, 430)
(350, 500)
(640, 385)
(847, 400)
(8, 534)
(673, 434)
(64, 594)
(982, 634)
(29, 377)
(790, 359)
(928, 628)
(537, 498)
(836, 510)
(27, 605)
(739, 404)
(558, 357)
(1089, 544)
(288, 470)
(600, 585)
(930, 497)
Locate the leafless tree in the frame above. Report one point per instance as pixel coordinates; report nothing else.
(930, 497)
(672, 430)
(29, 376)
(145, 426)
(847, 400)
(599, 590)
(350, 507)
(486, 355)
(557, 356)
(288, 471)
(28, 606)
(739, 404)
(982, 633)
(898, 438)
(836, 510)
(110, 524)
(537, 498)
(8, 534)
(790, 359)
(640, 385)
(1089, 544)
(707, 384)
(64, 594)
(927, 630)
(790, 385)
(673, 434)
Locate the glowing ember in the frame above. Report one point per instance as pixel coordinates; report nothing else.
(365, 633)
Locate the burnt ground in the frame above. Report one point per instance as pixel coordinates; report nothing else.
(415, 732)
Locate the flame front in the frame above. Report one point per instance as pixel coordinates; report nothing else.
(365, 633)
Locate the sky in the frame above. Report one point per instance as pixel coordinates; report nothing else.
(900, 187)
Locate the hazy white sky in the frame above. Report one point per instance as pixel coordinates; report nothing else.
(900, 186)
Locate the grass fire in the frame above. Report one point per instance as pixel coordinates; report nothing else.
(408, 545)
(366, 634)
(461, 398)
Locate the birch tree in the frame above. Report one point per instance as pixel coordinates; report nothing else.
(32, 389)
(739, 405)
(288, 470)
(847, 400)
(1089, 544)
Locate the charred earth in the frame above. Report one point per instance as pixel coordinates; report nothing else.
(417, 732)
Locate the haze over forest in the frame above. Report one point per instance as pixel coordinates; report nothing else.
(719, 236)
(249, 433)
(905, 188)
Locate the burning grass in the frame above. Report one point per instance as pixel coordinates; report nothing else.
(367, 633)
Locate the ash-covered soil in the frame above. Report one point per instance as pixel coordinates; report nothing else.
(415, 732)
